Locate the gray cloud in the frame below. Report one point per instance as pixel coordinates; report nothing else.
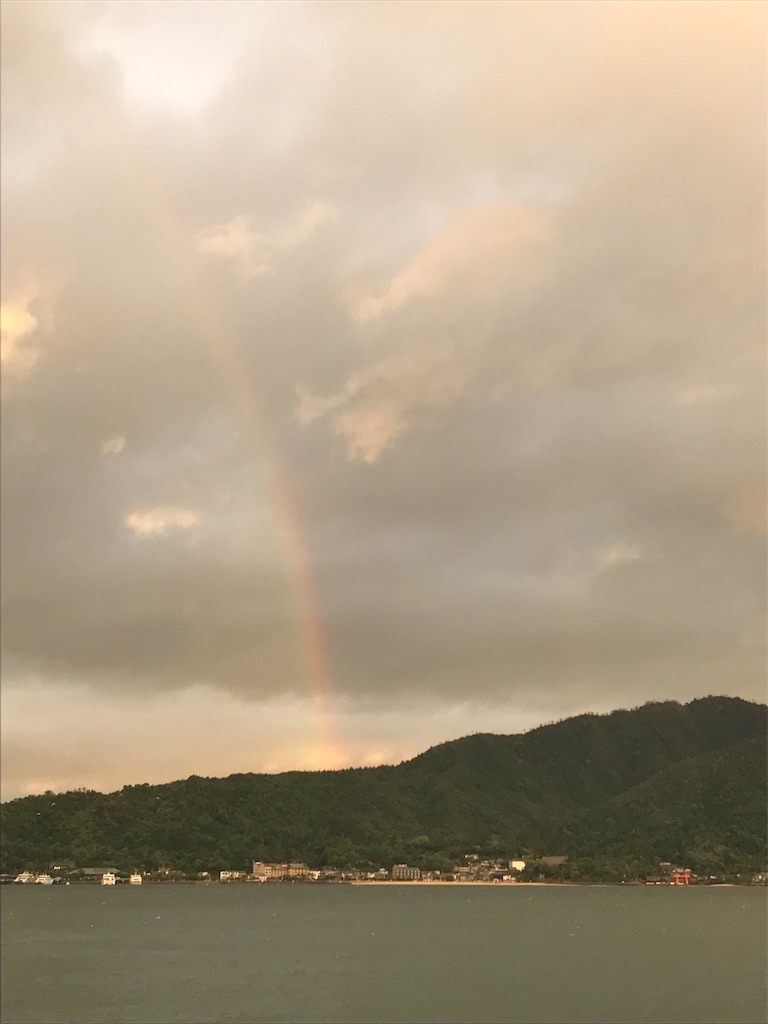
(438, 328)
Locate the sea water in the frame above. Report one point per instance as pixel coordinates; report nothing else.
(250, 953)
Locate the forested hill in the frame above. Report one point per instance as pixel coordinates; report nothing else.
(663, 781)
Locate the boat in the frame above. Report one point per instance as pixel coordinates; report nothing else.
(135, 879)
(108, 878)
(44, 880)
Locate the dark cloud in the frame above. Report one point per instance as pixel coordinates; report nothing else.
(442, 328)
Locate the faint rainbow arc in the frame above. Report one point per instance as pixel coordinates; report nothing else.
(210, 317)
(287, 516)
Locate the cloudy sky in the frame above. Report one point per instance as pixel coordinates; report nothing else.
(373, 374)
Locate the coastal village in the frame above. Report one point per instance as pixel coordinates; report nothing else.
(473, 870)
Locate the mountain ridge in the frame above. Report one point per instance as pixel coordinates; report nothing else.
(556, 788)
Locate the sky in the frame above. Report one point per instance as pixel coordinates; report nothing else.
(373, 374)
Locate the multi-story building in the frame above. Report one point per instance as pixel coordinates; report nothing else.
(294, 869)
(405, 873)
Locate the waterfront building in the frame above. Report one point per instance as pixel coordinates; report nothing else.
(405, 873)
(263, 872)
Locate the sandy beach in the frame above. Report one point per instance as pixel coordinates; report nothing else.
(365, 881)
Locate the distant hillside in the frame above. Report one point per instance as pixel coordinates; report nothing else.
(663, 781)
(708, 810)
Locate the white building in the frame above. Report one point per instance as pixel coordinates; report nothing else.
(261, 871)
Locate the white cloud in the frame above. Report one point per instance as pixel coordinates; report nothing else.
(238, 242)
(16, 322)
(471, 252)
(460, 275)
(377, 404)
(311, 407)
(153, 522)
(369, 429)
(618, 554)
(112, 445)
(296, 232)
(255, 252)
(170, 56)
(701, 395)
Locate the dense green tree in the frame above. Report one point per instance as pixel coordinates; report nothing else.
(617, 793)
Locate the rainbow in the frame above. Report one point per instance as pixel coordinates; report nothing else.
(286, 512)
(207, 312)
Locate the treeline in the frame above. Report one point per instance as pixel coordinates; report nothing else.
(616, 793)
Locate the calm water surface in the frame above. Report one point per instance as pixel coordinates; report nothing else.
(220, 954)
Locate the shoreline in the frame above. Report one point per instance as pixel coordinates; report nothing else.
(429, 882)
(558, 885)
(434, 881)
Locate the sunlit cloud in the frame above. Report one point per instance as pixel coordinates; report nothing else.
(467, 268)
(294, 233)
(204, 732)
(701, 395)
(468, 255)
(237, 241)
(112, 445)
(379, 403)
(153, 522)
(16, 322)
(747, 510)
(618, 554)
(369, 430)
(254, 252)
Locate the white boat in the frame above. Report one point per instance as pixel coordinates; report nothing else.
(135, 879)
(108, 878)
(24, 878)
(44, 880)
